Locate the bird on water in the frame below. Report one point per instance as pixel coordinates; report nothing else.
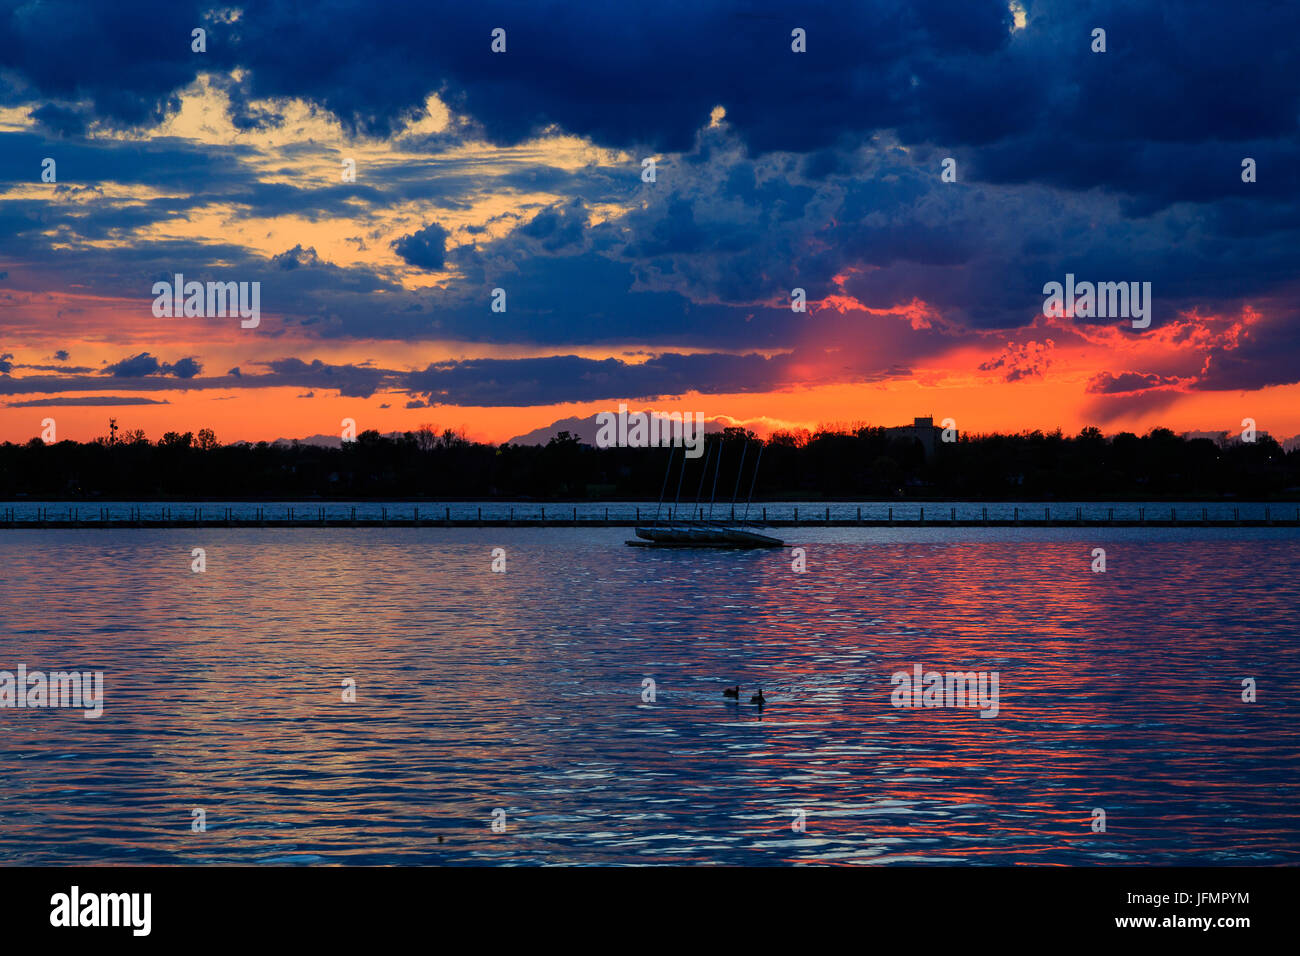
(731, 691)
(758, 698)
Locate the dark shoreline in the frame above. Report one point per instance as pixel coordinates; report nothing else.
(866, 465)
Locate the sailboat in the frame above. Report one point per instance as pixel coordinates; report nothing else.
(706, 533)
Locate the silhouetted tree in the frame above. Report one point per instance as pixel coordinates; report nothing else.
(864, 462)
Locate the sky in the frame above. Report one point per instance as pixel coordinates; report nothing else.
(525, 171)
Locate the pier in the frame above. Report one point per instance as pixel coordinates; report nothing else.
(912, 516)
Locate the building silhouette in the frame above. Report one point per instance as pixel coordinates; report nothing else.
(922, 430)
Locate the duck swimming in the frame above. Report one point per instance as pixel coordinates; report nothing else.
(758, 698)
(732, 691)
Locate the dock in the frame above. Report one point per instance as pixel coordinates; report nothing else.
(347, 517)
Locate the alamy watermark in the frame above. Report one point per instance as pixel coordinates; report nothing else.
(212, 300)
(1102, 300)
(651, 430)
(951, 689)
(68, 689)
(75, 908)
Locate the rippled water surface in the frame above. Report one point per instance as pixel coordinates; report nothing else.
(523, 691)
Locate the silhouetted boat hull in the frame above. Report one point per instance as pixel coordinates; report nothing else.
(700, 537)
(706, 534)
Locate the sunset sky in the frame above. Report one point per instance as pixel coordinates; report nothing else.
(522, 170)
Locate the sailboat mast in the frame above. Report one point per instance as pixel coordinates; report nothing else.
(717, 469)
(739, 471)
(753, 481)
(708, 453)
(663, 489)
(672, 513)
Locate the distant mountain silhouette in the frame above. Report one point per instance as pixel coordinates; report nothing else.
(320, 441)
(323, 441)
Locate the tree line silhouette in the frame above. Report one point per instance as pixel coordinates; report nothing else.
(833, 463)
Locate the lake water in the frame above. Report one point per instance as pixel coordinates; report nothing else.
(523, 692)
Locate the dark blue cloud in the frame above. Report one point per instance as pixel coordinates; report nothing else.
(186, 368)
(425, 248)
(62, 120)
(942, 71)
(144, 364)
(557, 227)
(349, 380)
(135, 367)
(1123, 165)
(570, 378)
(86, 400)
(1261, 354)
(1107, 383)
(297, 257)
